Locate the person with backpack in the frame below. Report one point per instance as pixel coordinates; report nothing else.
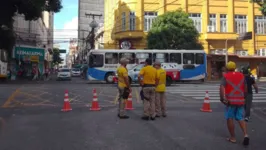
(249, 97)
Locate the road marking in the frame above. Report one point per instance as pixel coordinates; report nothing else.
(11, 98)
(116, 98)
(31, 95)
(218, 101)
(137, 95)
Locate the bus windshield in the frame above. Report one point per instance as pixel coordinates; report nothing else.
(3, 54)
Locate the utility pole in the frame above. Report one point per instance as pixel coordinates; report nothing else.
(93, 25)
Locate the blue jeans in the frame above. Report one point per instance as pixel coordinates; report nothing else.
(234, 112)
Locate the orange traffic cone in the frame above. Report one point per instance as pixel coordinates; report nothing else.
(95, 104)
(129, 104)
(66, 106)
(206, 107)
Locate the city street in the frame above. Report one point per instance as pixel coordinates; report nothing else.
(31, 119)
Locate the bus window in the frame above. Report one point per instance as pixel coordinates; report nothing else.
(141, 57)
(96, 60)
(175, 58)
(130, 56)
(3, 54)
(188, 58)
(111, 58)
(162, 57)
(199, 58)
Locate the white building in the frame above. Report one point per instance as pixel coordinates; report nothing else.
(34, 37)
(89, 7)
(99, 40)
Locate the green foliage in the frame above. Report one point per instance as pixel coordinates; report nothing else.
(262, 4)
(57, 56)
(32, 9)
(173, 30)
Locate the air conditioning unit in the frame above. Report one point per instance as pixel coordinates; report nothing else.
(224, 51)
(211, 29)
(262, 52)
(217, 52)
(243, 53)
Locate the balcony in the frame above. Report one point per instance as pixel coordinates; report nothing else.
(218, 36)
(137, 34)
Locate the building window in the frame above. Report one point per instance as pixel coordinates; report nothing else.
(149, 17)
(260, 24)
(223, 23)
(132, 21)
(212, 23)
(123, 21)
(197, 21)
(240, 23)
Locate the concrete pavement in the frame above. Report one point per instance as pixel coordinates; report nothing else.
(30, 118)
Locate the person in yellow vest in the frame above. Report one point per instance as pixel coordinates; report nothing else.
(123, 87)
(148, 73)
(160, 100)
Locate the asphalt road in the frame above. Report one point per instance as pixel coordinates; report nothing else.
(31, 119)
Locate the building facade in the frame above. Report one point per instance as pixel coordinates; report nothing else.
(34, 43)
(73, 50)
(95, 7)
(219, 23)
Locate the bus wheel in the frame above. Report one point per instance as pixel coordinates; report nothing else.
(169, 81)
(109, 78)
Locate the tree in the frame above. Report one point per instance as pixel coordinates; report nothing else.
(57, 56)
(173, 30)
(262, 4)
(31, 9)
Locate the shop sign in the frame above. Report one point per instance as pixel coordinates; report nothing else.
(37, 53)
(125, 45)
(34, 58)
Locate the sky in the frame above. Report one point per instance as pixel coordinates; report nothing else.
(66, 24)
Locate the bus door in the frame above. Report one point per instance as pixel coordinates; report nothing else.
(96, 62)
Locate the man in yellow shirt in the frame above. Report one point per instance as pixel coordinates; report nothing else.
(160, 100)
(148, 73)
(123, 86)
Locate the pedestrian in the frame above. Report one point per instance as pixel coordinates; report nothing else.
(249, 97)
(232, 93)
(46, 73)
(34, 73)
(148, 75)
(123, 87)
(160, 100)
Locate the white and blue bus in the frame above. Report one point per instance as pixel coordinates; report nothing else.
(103, 63)
(3, 64)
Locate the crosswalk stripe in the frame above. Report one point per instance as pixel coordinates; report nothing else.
(254, 101)
(198, 93)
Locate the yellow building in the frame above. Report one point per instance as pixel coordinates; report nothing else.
(220, 22)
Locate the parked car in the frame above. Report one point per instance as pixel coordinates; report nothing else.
(64, 74)
(172, 73)
(75, 72)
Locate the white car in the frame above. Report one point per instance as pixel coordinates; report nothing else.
(64, 74)
(75, 72)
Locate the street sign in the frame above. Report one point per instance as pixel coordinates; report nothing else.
(245, 36)
(62, 51)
